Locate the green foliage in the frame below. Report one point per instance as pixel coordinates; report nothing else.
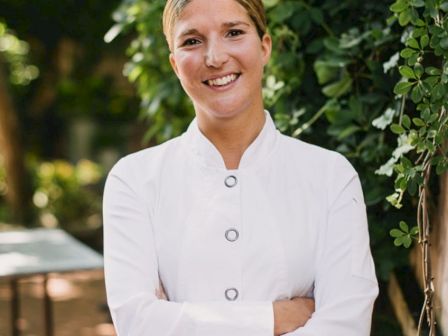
(64, 194)
(403, 236)
(421, 91)
(162, 98)
(15, 51)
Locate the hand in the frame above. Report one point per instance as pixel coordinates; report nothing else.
(291, 314)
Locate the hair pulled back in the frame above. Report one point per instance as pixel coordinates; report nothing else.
(173, 10)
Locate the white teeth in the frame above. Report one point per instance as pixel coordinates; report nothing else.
(222, 81)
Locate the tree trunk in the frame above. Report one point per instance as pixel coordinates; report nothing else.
(12, 152)
(439, 256)
(441, 249)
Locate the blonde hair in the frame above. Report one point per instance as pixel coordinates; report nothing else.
(173, 9)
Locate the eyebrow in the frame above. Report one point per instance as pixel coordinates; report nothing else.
(230, 24)
(234, 23)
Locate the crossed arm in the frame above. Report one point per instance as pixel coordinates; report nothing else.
(288, 314)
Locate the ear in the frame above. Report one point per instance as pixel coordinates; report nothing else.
(173, 64)
(266, 48)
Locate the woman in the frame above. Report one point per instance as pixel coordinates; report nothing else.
(238, 222)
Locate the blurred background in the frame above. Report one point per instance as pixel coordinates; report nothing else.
(84, 82)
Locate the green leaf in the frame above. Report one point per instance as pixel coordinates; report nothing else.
(413, 59)
(348, 131)
(412, 187)
(424, 41)
(444, 43)
(398, 6)
(407, 72)
(404, 227)
(433, 71)
(436, 30)
(418, 70)
(407, 241)
(412, 42)
(417, 32)
(417, 94)
(414, 231)
(270, 3)
(418, 122)
(403, 87)
(396, 233)
(407, 52)
(397, 129)
(433, 12)
(405, 17)
(402, 183)
(326, 71)
(438, 91)
(444, 6)
(281, 13)
(420, 23)
(417, 3)
(339, 88)
(317, 15)
(398, 241)
(441, 168)
(406, 121)
(426, 114)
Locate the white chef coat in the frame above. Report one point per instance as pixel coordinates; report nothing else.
(225, 244)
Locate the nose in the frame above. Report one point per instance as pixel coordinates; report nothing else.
(216, 55)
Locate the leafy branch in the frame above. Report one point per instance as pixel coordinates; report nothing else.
(423, 122)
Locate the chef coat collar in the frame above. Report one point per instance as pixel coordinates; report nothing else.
(258, 151)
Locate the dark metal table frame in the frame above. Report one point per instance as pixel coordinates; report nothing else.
(15, 307)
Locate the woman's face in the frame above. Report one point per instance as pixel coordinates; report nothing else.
(218, 57)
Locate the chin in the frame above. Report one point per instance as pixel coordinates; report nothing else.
(224, 110)
(224, 113)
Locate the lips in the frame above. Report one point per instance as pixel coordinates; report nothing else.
(222, 80)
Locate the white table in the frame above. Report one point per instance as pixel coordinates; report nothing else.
(40, 252)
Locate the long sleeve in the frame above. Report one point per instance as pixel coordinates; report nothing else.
(131, 271)
(345, 284)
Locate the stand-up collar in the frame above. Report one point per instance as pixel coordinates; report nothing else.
(208, 154)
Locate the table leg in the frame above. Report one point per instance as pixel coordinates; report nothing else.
(48, 309)
(15, 307)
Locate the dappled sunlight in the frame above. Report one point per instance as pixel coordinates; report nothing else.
(78, 300)
(59, 289)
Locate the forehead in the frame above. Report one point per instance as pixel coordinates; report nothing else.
(203, 13)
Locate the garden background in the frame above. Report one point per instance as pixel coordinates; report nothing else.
(84, 82)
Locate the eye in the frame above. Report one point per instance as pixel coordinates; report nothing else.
(190, 42)
(235, 32)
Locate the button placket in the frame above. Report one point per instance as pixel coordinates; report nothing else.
(232, 232)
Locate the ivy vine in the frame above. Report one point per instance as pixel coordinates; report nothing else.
(422, 125)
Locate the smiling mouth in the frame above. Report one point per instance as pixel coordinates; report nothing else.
(222, 81)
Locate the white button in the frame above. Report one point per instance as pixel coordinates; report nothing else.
(232, 235)
(230, 181)
(231, 294)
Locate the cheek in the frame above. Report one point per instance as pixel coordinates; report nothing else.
(248, 54)
(188, 66)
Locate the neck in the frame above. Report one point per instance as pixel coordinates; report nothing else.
(232, 136)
